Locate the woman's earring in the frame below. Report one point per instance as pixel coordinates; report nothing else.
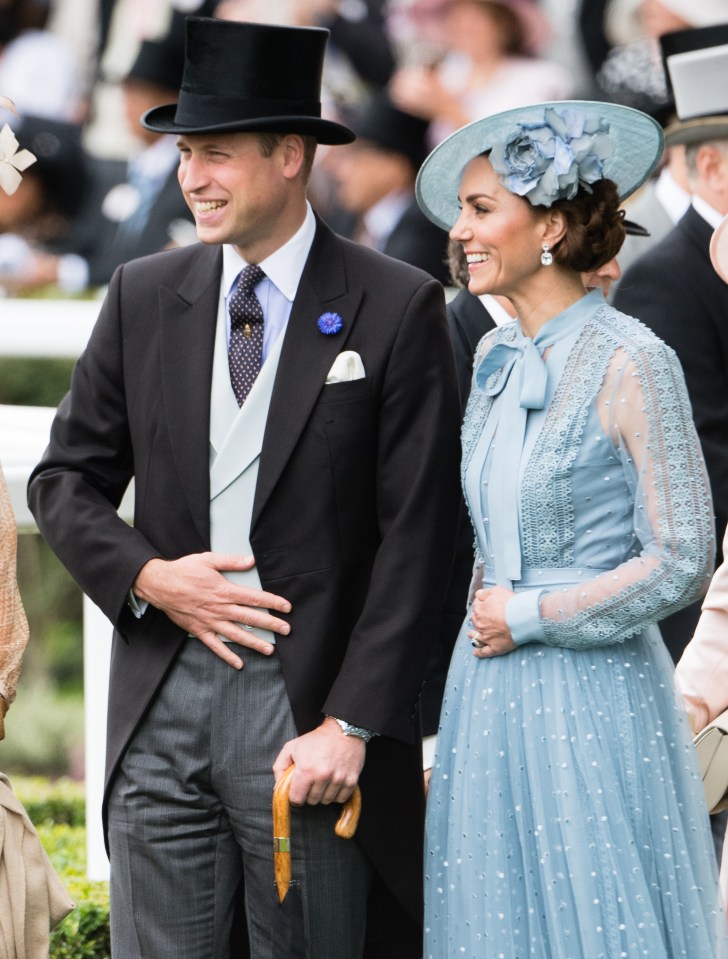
(546, 258)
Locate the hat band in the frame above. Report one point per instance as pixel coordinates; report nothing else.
(206, 110)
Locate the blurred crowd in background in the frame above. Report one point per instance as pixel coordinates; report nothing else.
(403, 73)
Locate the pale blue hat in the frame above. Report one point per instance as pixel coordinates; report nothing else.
(544, 152)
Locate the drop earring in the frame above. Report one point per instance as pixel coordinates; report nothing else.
(546, 258)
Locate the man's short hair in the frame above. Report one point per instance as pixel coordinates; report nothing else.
(269, 142)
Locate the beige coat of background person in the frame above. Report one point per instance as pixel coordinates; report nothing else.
(13, 624)
(32, 898)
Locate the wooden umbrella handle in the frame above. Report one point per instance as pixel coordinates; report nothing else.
(345, 827)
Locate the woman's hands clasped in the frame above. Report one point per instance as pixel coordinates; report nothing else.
(490, 635)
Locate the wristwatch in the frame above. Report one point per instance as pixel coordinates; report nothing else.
(358, 731)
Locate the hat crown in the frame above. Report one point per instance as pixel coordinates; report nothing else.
(389, 128)
(696, 63)
(245, 61)
(241, 76)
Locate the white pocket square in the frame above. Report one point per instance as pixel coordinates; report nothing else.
(347, 366)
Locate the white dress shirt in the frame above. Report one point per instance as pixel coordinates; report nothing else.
(277, 290)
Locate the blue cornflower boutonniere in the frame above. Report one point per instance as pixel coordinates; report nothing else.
(330, 323)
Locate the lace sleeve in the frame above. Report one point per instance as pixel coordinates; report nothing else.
(644, 409)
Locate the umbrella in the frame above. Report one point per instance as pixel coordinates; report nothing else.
(288, 938)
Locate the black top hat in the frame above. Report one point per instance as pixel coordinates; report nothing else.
(382, 124)
(250, 77)
(158, 62)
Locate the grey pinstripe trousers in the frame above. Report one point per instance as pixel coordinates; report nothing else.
(190, 813)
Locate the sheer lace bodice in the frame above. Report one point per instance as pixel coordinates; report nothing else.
(611, 486)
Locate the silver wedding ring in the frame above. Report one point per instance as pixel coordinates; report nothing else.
(246, 626)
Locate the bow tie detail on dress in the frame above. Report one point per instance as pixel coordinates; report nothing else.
(521, 387)
(525, 355)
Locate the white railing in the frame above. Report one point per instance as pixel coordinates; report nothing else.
(52, 329)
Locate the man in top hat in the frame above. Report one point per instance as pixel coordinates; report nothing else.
(673, 287)
(663, 201)
(375, 179)
(286, 403)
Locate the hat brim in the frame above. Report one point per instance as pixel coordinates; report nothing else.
(637, 138)
(162, 120)
(697, 130)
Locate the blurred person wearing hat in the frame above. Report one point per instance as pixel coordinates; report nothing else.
(663, 201)
(658, 205)
(145, 212)
(53, 221)
(286, 402)
(375, 181)
(632, 73)
(555, 813)
(134, 208)
(489, 62)
(673, 287)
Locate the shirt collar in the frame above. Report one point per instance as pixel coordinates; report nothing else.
(498, 313)
(284, 267)
(156, 160)
(707, 211)
(382, 218)
(671, 195)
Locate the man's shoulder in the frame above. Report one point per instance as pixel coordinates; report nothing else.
(664, 263)
(172, 262)
(361, 261)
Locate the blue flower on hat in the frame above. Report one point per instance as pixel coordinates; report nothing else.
(330, 323)
(548, 160)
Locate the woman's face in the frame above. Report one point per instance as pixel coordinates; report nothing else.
(470, 29)
(657, 19)
(501, 233)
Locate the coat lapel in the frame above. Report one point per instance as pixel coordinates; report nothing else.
(188, 316)
(306, 357)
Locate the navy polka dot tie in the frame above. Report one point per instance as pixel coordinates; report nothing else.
(245, 352)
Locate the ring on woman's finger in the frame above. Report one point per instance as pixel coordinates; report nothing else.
(478, 644)
(247, 626)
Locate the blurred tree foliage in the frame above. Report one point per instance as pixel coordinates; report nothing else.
(34, 382)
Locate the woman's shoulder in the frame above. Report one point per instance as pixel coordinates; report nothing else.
(629, 334)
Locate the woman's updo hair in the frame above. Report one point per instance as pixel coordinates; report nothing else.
(594, 228)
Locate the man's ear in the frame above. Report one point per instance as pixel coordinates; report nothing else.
(293, 155)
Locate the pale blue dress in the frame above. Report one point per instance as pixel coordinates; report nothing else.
(566, 818)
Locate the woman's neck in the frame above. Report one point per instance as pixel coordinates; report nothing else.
(545, 299)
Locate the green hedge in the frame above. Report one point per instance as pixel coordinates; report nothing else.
(51, 802)
(58, 811)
